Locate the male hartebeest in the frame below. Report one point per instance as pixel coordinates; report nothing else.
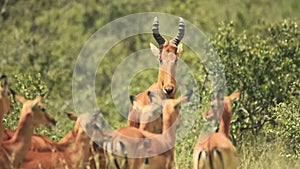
(167, 55)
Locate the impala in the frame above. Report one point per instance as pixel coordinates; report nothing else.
(215, 151)
(32, 114)
(97, 157)
(42, 143)
(167, 55)
(75, 158)
(133, 142)
(38, 142)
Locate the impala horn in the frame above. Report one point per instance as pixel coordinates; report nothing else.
(180, 34)
(159, 39)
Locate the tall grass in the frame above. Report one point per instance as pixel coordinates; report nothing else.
(252, 155)
(262, 155)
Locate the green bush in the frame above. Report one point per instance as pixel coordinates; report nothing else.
(286, 128)
(264, 64)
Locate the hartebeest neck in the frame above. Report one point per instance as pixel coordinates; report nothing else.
(225, 120)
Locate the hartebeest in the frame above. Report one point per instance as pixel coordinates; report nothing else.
(167, 55)
(33, 114)
(5, 104)
(215, 151)
(157, 148)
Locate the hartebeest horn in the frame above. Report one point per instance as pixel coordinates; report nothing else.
(159, 39)
(180, 34)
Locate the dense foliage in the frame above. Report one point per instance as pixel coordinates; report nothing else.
(265, 66)
(258, 47)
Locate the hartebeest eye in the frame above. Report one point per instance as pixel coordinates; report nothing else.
(43, 109)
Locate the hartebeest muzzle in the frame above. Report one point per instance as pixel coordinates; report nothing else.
(169, 89)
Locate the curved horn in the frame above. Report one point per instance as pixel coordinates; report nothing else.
(159, 39)
(180, 34)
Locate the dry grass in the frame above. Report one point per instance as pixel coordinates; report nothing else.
(251, 156)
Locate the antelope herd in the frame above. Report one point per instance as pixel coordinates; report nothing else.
(147, 142)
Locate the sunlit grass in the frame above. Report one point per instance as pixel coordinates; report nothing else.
(265, 156)
(254, 155)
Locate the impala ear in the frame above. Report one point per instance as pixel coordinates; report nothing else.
(154, 50)
(4, 81)
(39, 99)
(220, 97)
(155, 98)
(36, 102)
(18, 97)
(179, 49)
(150, 95)
(183, 99)
(136, 104)
(132, 99)
(44, 95)
(72, 116)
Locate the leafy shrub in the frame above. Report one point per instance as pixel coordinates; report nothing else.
(285, 128)
(264, 64)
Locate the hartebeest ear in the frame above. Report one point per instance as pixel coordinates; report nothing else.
(179, 49)
(183, 99)
(154, 50)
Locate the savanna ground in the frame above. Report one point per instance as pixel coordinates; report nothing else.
(258, 42)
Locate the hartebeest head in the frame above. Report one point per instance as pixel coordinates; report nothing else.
(167, 55)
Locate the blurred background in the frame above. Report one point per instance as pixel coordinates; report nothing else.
(258, 42)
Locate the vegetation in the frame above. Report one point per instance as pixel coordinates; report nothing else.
(259, 48)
